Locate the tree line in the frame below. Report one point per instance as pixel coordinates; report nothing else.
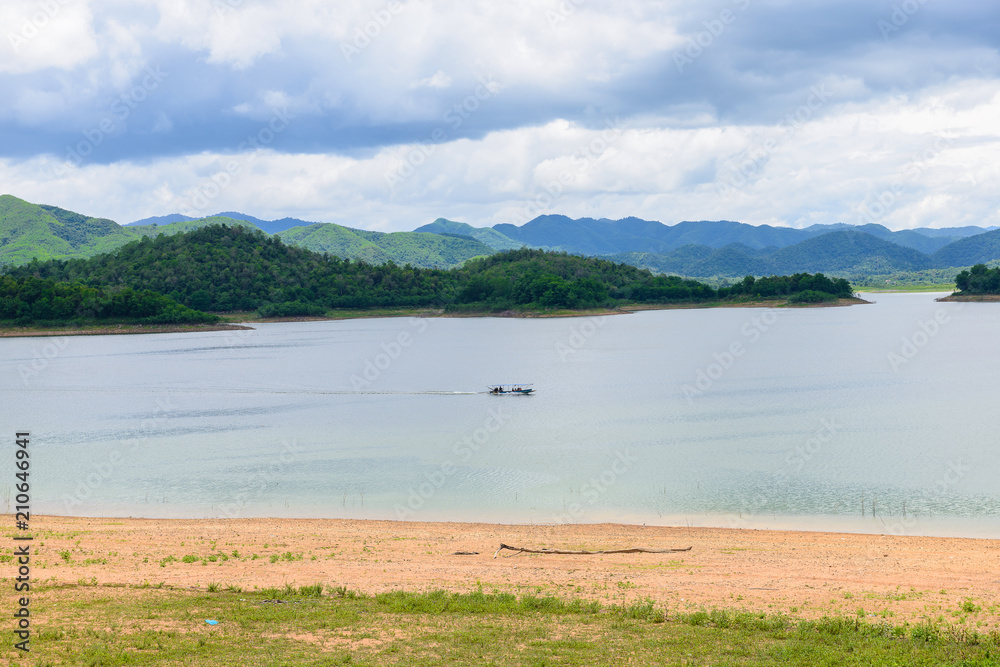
(221, 268)
(798, 288)
(979, 280)
(31, 300)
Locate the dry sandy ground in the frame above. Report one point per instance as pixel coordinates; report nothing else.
(804, 574)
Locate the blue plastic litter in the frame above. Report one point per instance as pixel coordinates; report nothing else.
(211, 622)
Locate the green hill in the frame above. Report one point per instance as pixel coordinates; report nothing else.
(152, 231)
(238, 267)
(35, 301)
(415, 248)
(977, 249)
(846, 253)
(223, 268)
(721, 249)
(335, 240)
(855, 252)
(29, 230)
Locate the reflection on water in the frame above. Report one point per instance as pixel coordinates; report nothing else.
(861, 418)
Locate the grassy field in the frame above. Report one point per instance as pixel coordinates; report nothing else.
(930, 287)
(155, 625)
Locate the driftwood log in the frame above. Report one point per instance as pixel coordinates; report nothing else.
(633, 550)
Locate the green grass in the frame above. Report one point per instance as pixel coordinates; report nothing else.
(930, 287)
(312, 625)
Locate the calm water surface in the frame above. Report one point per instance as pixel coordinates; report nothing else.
(877, 418)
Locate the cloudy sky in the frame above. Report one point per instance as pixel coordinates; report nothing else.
(388, 114)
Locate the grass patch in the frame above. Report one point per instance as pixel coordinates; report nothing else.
(317, 625)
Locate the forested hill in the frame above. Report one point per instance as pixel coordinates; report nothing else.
(222, 268)
(47, 232)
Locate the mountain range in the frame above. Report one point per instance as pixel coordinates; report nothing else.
(47, 232)
(733, 249)
(700, 249)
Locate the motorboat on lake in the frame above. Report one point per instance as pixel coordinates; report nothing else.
(523, 388)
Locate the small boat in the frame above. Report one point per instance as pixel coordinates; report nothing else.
(520, 388)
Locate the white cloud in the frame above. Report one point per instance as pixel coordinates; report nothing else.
(935, 156)
(743, 135)
(37, 35)
(439, 80)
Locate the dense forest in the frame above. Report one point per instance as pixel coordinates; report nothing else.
(222, 268)
(41, 301)
(798, 288)
(979, 280)
(539, 279)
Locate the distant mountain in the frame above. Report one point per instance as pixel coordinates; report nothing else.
(416, 248)
(588, 236)
(906, 238)
(603, 236)
(152, 231)
(159, 220)
(977, 249)
(839, 253)
(490, 237)
(269, 226)
(691, 248)
(855, 252)
(30, 231)
(954, 232)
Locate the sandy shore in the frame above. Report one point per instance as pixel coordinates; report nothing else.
(804, 574)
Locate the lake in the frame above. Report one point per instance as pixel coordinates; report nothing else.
(870, 418)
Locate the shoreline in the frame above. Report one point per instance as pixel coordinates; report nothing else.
(120, 329)
(971, 298)
(244, 323)
(901, 579)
